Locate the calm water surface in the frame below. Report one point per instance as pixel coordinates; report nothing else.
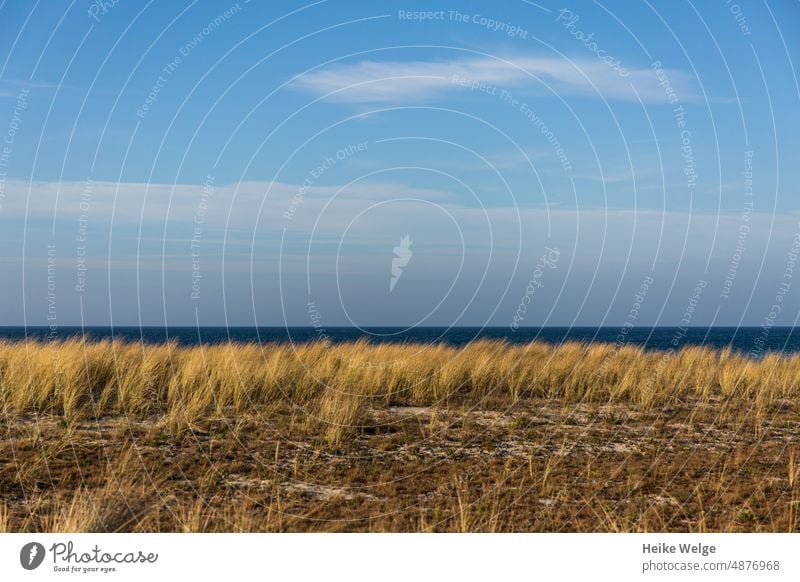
(743, 339)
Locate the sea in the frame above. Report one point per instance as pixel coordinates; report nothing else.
(748, 340)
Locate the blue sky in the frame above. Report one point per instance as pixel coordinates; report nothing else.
(228, 163)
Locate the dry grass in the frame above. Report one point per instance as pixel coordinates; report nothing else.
(184, 384)
(113, 436)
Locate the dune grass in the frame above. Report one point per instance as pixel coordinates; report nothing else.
(119, 436)
(80, 379)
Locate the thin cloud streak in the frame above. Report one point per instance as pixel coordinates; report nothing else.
(402, 81)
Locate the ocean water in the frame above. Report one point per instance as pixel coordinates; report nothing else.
(752, 340)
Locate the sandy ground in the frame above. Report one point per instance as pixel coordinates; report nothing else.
(537, 466)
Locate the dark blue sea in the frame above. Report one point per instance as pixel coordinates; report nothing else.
(754, 340)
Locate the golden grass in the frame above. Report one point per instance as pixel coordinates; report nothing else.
(80, 379)
(116, 436)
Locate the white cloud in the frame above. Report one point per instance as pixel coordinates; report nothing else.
(366, 213)
(134, 202)
(402, 81)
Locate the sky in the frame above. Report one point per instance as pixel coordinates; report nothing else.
(399, 163)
